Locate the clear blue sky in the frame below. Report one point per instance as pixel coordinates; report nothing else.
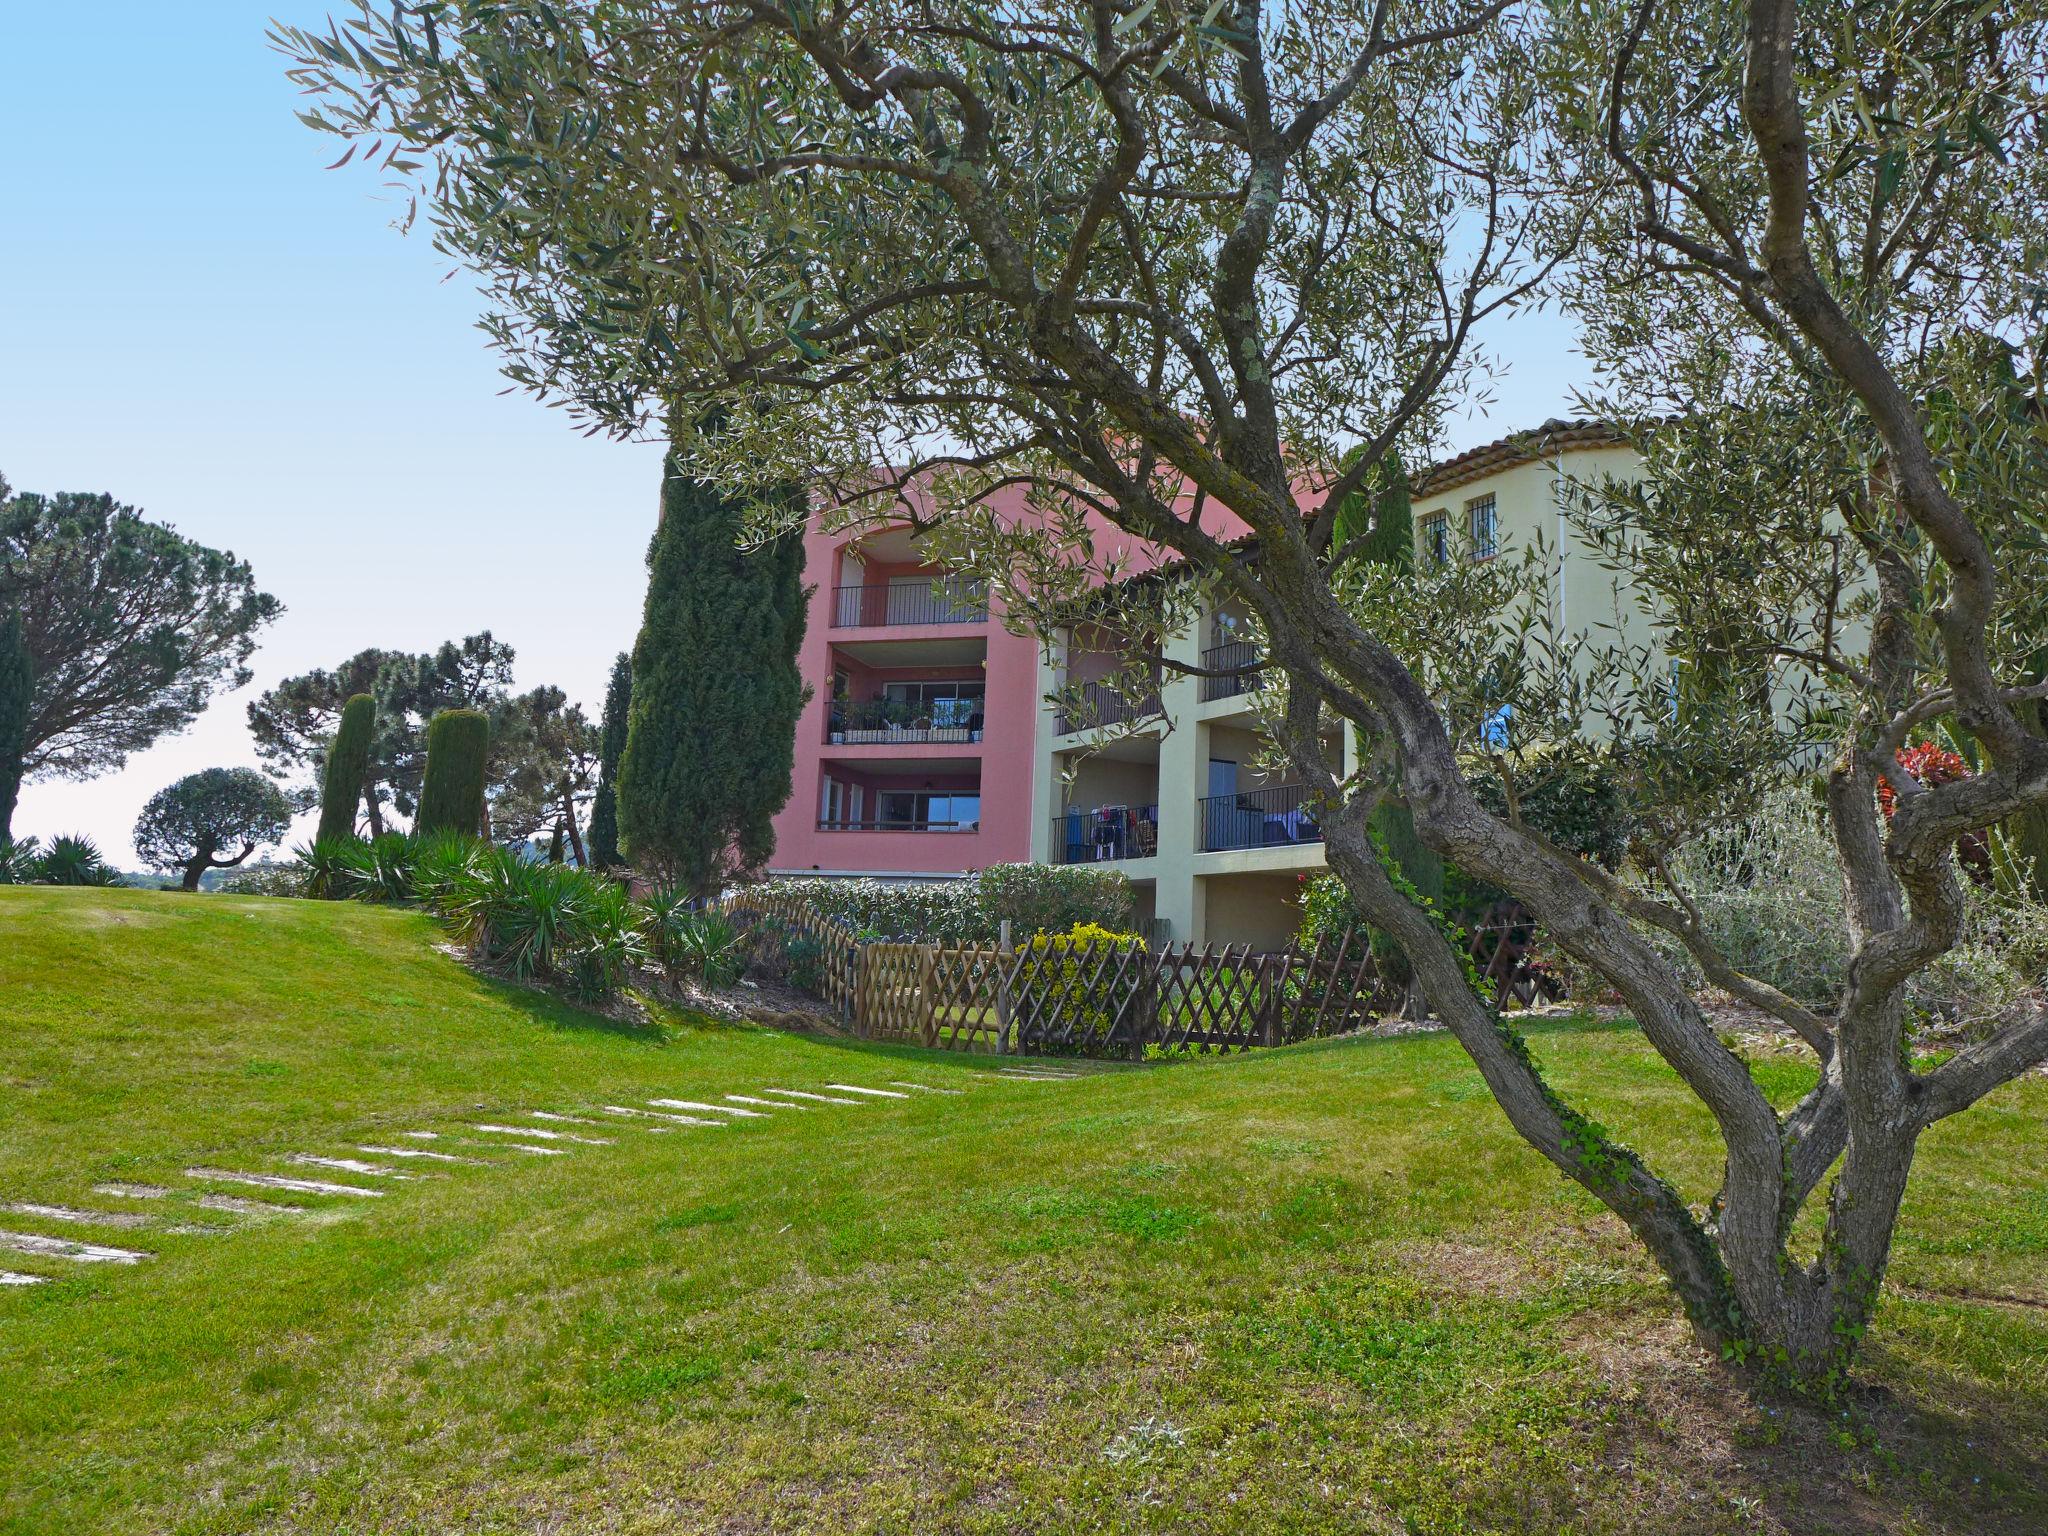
(199, 319)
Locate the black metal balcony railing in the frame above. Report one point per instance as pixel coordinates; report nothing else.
(825, 824)
(944, 600)
(1258, 818)
(1102, 704)
(894, 722)
(1233, 653)
(1108, 832)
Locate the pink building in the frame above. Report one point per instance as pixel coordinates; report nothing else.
(915, 756)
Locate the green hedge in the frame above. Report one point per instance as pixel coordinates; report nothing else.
(1034, 898)
(452, 799)
(348, 759)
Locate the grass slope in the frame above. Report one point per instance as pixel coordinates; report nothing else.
(1311, 1290)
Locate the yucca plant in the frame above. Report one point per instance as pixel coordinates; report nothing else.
(440, 860)
(703, 944)
(20, 863)
(668, 912)
(76, 861)
(472, 893)
(329, 864)
(613, 940)
(382, 871)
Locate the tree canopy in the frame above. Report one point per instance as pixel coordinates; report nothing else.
(131, 627)
(188, 825)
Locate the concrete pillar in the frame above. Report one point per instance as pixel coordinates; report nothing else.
(1048, 791)
(1183, 775)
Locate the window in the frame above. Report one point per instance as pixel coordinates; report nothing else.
(1436, 538)
(938, 811)
(948, 705)
(1482, 522)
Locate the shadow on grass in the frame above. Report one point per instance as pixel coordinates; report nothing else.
(557, 1012)
(983, 1060)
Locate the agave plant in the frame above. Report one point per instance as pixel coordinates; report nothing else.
(20, 863)
(76, 861)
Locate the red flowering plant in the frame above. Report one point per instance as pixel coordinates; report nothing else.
(1932, 764)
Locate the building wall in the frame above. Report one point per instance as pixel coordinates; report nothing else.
(1250, 895)
(1006, 762)
(1030, 775)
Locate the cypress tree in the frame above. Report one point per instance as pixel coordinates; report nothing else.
(458, 750)
(348, 760)
(711, 729)
(604, 809)
(17, 694)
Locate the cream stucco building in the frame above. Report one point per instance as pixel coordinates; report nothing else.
(1169, 788)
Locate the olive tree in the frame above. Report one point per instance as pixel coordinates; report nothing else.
(1150, 259)
(188, 825)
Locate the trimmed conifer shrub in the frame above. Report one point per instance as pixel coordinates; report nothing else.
(348, 760)
(604, 808)
(458, 750)
(17, 693)
(711, 733)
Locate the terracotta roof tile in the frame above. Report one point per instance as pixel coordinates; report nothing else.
(1555, 436)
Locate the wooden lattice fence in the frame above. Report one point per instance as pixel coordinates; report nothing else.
(1060, 997)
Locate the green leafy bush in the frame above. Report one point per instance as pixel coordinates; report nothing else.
(1769, 890)
(1065, 965)
(265, 880)
(1035, 898)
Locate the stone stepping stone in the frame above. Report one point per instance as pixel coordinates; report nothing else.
(545, 1114)
(235, 1205)
(131, 1191)
(710, 1109)
(439, 1157)
(82, 1218)
(65, 1248)
(878, 1093)
(655, 1114)
(897, 1082)
(741, 1098)
(499, 1146)
(535, 1131)
(350, 1165)
(279, 1181)
(10, 1277)
(822, 1098)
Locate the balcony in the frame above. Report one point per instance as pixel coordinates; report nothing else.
(1105, 705)
(1276, 817)
(901, 722)
(1105, 833)
(1219, 658)
(898, 826)
(939, 600)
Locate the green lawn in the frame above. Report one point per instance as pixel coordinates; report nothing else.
(1322, 1289)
